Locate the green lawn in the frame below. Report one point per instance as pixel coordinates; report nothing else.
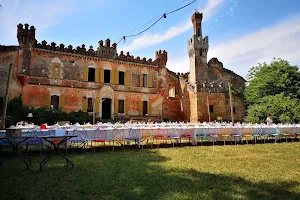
(261, 171)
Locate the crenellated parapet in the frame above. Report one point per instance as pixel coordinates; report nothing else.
(184, 75)
(4, 48)
(130, 58)
(25, 35)
(161, 58)
(211, 87)
(67, 49)
(105, 49)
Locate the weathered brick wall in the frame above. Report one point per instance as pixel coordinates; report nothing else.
(193, 106)
(237, 82)
(172, 105)
(135, 79)
(73, 88)
(7, 58)
(218, 101)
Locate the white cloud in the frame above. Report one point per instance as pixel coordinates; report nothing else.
(41, 14)
(152, 39)
(280, 40)
(239, 55)
(179, 64)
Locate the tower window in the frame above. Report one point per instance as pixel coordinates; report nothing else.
(211, 108)
(91, 77)
(121, 78)
(106, 76)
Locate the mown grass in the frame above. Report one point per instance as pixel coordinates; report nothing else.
(262, 171)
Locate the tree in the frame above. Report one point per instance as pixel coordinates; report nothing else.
(283, 109)
(273, 88)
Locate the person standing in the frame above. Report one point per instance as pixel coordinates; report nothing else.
(269, 119)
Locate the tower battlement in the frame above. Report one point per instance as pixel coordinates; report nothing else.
(161, 58)
(107, 50)
(25, 35)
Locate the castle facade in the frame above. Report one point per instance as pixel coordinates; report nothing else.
(113, 85)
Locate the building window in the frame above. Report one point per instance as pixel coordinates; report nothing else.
(121, 106)
(91, 75)
(145, 80)
(233, 109)
(106, 76)
(121, 78)
(145, 108)
(90, 105)
(211, 108)
(172, 92)
(54, 102)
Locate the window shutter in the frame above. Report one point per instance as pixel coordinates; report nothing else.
(149, 108)
(97, 75)
(126, 107)
(47, 101)
(127, 78)
(141, 107)
(84, 104)
(62, 102)
(97, 107)
(116, 105)
(141, 80)
(117, 77)
(101, 74)
(150, 80)
(85, 73)
(112, 76)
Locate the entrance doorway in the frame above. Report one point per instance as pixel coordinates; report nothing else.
(55, 102)
(106, 108)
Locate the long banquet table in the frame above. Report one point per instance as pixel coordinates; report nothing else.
(141, 130)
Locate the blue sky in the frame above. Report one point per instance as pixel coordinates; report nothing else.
(241, 32)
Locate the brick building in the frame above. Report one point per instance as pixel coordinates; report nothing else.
(114, 85)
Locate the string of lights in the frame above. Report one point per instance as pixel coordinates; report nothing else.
(160, 17)
(150, 20)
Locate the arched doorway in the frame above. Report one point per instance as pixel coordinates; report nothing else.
(106, 108)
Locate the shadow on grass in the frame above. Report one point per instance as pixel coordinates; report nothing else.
(129, 175)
